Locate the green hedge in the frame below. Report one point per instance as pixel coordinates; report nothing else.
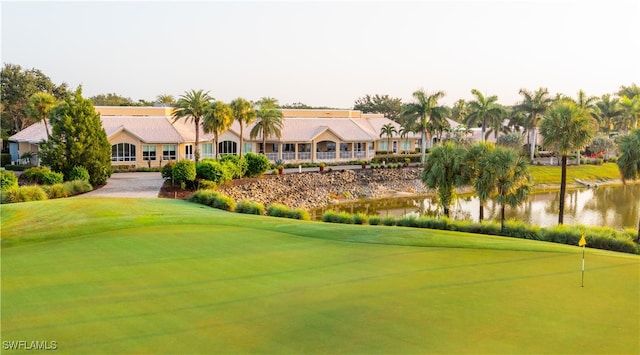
(396, 158)
(22, 194)
(213, 199)
(280, 210)
(250, 207)
(5, 159)
(8, 179)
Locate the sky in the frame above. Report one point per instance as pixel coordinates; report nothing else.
(327, 53)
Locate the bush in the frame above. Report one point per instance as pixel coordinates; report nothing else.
(374, 220)
(5, 159)
(277, 210)
(205, 184)
(52, 178)
(236, 164)
(359, 218)
(213, 199)
(79, 172)
(395, 158)
(407, 221)
(76, 187)
(215, 171)
(256, 164)
(299, 213)
(167, 171)
(183, 171)
(35, 174)
(345, 218)
(250, 207)
(330, 216)
(388, 221)
(55, 191)
(8, 179)
(23, 194)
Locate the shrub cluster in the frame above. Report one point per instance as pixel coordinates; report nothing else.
(395, 158)
(250, 207)
(213, 199)
(597, 237)
(23, 194)
(215, 171)
(5, 159)
(42, 175)
(79, 172)
(257, 164)
(279, 210)
(8, 179)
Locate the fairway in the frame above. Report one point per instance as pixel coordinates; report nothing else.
(163, 276)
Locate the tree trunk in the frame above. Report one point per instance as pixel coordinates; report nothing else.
(46, 127)
(196, 154)
(241, 138)
(563, 189)
(532, 143)
(638, 240)
(446, 211)
(502, 218)
(423, 147)
(481, 215)
(578, 157)
(484, 128)
(215, 141)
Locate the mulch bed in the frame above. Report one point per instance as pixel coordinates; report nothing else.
(169, 191)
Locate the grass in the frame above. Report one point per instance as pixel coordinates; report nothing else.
(552, 174)
(166, 276)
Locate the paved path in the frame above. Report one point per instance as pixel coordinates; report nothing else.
(129, 185)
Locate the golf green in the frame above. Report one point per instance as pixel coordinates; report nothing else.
(160, 276)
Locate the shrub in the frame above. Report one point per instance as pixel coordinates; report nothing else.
(184, 170)
(5, 159)
(388, 221)
(79, 172)
(213, 199)
(205, 184)
(215, 171)
(407, 221)
(23, 194)
(277, 210)
(374, 220)
(256, 164)
(299, 213)
(238, 165)
(330, 216)
(52, 178)
(76, 187)
(8, 179)
(250, 207)
(35, 174)
(359, 218)
(345, 218)
(55, 191)
(167, 171)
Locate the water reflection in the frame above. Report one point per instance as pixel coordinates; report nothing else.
(612, 206)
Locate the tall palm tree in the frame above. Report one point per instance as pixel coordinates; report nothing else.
(424, 109)
(534, 104)
(459, 111)
(388, 130)
(474, 174)
(505, 176)
(192, 106)
(39, 106)
(608, 111)
(218, 117)
(629, 160)
(165, 99)
(269, 123)
(567, 127)
(443, 172)
(631, 107)
(244, 113)
(483, 109)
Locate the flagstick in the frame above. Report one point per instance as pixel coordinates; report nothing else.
(582, 266)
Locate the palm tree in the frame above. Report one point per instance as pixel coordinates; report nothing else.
(505, 177)
(192, 106)
(483, 109)
(270, 121)
(566, 127)
(459, 111)
(443, 172)
(389, 130)
(39, 106)
(245, 114)
(609, 110)
(404, 132)
(534, 105)
(422, 111)
(165, 99)
(217, 118)
(473, 173)
(631, 107)
(629, 160)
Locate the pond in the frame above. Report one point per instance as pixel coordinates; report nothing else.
(611, 206)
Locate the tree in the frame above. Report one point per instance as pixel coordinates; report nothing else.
(474, 173)
(244, 113)
(608, 112)
(421, 112)
(191, 106)
(391, 107)
(77, 139)
(534, 105)
(504, 177)
(630, 91)
(217, 118)
(514, 141)
(631, 113)
(39, 106)
(111, 99)
(388, 130)
(601, 144)
(443, 172)
(459, 111)
(269, 123)
(483, 109)
(567, 127)
(629, 160)
(16, 87)
(165, 100)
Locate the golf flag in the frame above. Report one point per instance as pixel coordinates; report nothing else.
(582, 241)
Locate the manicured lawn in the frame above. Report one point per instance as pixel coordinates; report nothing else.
(164, 276)
(552, 174)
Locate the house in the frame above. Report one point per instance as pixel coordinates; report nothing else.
(148, 136)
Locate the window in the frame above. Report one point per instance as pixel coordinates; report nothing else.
(304, 147)
(123, 152)
(207, 150)
(188, 151)
(227, 147)
(344, 147)
(169, 152)
(406, 145)
(288, 147)
(383, 145)
(247, 147)
(358, 147)
(148, 152)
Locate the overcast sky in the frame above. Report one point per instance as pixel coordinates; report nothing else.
(327, 53)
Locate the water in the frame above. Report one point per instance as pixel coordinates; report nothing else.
(611, 206)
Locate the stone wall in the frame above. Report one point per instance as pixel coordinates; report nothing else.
(311, 190)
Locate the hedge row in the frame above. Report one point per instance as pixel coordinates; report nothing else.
(597, 237)
(15, 194)
(396, 158)
(217, 200)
